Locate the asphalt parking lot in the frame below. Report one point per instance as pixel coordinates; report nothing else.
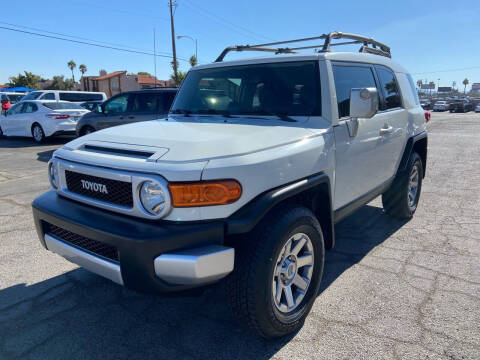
(392, 289)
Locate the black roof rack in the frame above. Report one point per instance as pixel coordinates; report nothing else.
(369, 45)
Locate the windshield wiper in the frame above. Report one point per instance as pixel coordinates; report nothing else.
(224, 113)
(281, 116)
(184, 112)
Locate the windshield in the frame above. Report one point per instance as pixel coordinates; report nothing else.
(62, 106)
(285, 88)
(33, 95)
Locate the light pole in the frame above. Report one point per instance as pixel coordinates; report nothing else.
(194, 40)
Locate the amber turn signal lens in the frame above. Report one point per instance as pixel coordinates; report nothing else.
(205, 193)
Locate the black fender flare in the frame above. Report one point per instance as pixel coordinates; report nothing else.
(247, 217)
(409, 149)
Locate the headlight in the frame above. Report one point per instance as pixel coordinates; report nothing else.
(154, 198)
(53, 175)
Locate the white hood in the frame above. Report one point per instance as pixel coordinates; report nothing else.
(201, 138)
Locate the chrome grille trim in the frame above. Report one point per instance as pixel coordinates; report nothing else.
(136, 179)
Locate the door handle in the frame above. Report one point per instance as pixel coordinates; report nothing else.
(120, 117)
(386, 131)
(131, 117)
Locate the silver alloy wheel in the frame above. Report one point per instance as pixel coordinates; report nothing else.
(37, 133)
(413, 187)
(293, 273)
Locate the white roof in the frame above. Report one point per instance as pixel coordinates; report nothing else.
(334, 56)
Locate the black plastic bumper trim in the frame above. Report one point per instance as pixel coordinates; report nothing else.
(138, 241)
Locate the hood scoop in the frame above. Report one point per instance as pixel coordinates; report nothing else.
(140, 152)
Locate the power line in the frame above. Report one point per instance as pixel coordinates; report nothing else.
(70, 36)
(89, 43)
(225, 21)
(450, 70)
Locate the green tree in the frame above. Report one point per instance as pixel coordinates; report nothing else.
(193, 60)
(71, 64)
(419, 84)
(82, 68)
(28, 80)
(144, 73)
(60, 83)
(180, 77)
(465, 83)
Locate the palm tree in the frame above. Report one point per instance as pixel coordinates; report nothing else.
(419, 83)
(193, 60)
(71, 64)
(83, 69)
(465, 83)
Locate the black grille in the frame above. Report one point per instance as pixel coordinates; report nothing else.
(117, 192)
(93, 246)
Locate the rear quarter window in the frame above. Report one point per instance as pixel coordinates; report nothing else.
(414, 90)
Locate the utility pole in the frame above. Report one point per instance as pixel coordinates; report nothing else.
(154, 58)
(174, 52)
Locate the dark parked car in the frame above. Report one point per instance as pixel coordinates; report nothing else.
(127, 107)
(426, 104)
(461, 105)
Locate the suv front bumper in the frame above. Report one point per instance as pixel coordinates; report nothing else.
(148, 255)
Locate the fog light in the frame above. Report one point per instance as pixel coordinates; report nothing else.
(153, 198)
(53, 175)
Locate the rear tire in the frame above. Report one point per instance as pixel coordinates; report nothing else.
(1, 132)
(401, 199)
(38, 134)
(266, 265)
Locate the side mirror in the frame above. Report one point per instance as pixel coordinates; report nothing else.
(363, 102)
(102, 109)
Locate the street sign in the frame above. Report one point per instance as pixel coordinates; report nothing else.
(444, 89)
(428, 86)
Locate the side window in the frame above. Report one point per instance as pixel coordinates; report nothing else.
(117, 105)
(29, 108)
(389, 88)
(15, 109)
(48, 96)
(413, 88)
(166, 101)
(348, 78)
(145, 102)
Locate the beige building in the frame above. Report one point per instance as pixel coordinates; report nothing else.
(119, 81)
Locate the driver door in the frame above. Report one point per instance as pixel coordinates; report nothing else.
(361, 161)
(115, 111)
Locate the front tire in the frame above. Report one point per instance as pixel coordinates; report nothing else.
(401, 199)
(38, 134)
(86, 130)
(278, 271)
(1, 132)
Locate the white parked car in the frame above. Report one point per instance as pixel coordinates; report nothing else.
(477, 108)
(41, 119)
(246, 177)
(64, 95)
(441, 106)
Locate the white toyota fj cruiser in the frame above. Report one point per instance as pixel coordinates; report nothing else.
(246, 177)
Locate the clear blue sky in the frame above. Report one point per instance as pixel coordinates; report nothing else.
(427, 37)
